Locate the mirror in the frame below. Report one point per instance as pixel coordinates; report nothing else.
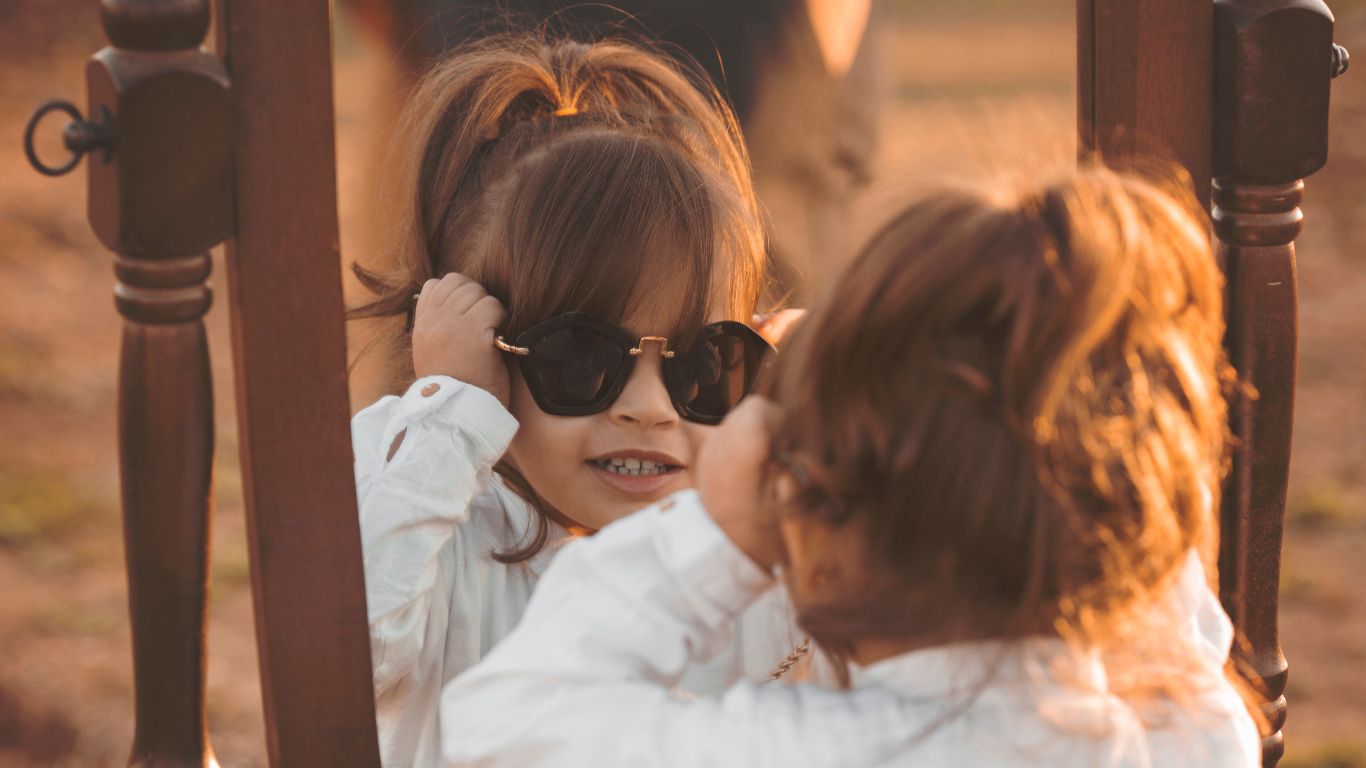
(914, 96)
(836, 100)
(918, 88)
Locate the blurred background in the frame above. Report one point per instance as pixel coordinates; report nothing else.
(967, 89)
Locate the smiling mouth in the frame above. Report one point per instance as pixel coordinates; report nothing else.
(634, 467)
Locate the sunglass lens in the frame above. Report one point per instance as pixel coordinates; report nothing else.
(713, 376)
(574, 366)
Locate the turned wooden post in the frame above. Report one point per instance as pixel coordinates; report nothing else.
(1257, 127)
(160, 198)
(1273, 64)
(178, 164)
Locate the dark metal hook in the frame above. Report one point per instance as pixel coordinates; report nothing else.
(80, 136)
(1341, 59)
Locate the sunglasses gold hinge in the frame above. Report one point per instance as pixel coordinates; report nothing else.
(506, 347)
(664, 350)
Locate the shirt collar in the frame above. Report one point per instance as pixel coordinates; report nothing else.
(960, 669)
(1041, 663)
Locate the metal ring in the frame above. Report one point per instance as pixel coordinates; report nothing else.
(1341, 60)
(76, 155)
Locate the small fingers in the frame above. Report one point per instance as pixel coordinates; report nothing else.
(489, 312)
(424, 297)
(447, 286)
(463, 298)
(452, 287)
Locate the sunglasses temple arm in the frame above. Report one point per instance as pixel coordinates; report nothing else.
(506, 347)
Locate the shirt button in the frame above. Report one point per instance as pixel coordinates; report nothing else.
(431, 389)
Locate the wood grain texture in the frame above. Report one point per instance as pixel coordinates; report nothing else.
(290, 355)
(166, 457)
(159, 200)
(1248, 134)
(1143, 83)
(1256, 227)
(1272, 81)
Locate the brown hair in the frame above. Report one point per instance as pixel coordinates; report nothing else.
(566, 176)
(1020, 397)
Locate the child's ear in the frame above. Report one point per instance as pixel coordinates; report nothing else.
(826, 563)
(774, 326)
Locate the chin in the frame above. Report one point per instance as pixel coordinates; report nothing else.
(610, 510)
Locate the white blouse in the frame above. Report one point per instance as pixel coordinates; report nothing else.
(585, 680)
(430, 517)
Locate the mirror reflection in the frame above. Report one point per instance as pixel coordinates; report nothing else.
(579, 279)
(586, 215)
(979, 470)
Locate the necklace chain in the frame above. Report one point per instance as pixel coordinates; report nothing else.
(797, 653)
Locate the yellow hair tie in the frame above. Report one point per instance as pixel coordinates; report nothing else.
(566, 111)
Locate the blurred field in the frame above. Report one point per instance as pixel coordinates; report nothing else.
(973, 88)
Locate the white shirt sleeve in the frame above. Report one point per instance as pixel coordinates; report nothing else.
(411, 503)
(585, 678)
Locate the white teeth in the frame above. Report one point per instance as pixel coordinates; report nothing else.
(633, 467)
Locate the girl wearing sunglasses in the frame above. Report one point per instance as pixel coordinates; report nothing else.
(994, 455)
(584, 244)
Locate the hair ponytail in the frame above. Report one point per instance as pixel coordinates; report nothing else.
(489, 105)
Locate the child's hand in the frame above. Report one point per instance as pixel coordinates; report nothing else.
(731, 472)
(453, 330)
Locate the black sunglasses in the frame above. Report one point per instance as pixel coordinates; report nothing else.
(575, 365)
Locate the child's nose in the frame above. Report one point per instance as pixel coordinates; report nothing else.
(644, 401)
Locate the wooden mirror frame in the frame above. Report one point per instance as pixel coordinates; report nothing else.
(1248, 135)
(209, 150)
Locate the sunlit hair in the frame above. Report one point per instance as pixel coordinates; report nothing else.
(1019, 395)
(566, 176)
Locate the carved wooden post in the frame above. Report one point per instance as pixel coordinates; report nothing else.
(1273, 64)
(159, 199)
(176, 167)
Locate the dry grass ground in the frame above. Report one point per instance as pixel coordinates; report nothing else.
(974, 88)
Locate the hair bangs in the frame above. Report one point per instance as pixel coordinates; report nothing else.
(613, 225)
